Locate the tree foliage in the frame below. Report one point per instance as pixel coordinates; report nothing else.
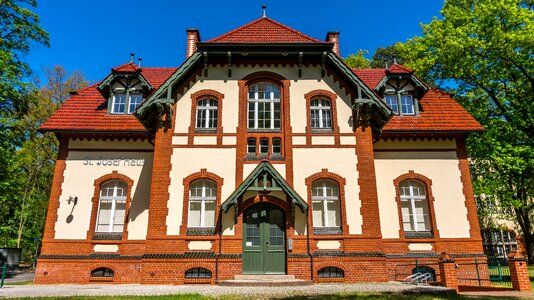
(386, 56)
(483, 51)
(19, 30)
(358, 60)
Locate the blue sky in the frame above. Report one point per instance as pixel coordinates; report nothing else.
(94, 36)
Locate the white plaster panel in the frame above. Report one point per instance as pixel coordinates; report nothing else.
(328, 245)
(442, 169)
(229, 140)
(417, 144)
(82, 168)
(341, 161)
(199, 245)
(187, 161)
(179, 140)
(106, 248)
(228, 222)
(115, 144)
(205, 140)
(299, 140)
(347, 140)
(323, 140)
(420, 247)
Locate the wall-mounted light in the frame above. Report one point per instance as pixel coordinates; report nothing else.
(72, 200)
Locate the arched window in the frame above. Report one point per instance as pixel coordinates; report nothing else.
(202, 202)
(102, 272)
(321, 114)
(112, 206)
(414, 206)
(207, 113)
(263, 106)
(330, 272)
(325, 204)
(198, 273)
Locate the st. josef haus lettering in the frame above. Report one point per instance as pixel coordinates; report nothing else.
(126, 162)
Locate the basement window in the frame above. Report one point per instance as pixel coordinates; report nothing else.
(198, 273)
(102, 272)
(330, 272)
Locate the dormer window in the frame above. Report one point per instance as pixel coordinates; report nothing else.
(404, 103)
(125, 103)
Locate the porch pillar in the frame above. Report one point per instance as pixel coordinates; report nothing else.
(518, 271)
(447, 271)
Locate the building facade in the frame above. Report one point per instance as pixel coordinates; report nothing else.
(263, 153)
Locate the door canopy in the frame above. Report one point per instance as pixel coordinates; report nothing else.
(265, 179)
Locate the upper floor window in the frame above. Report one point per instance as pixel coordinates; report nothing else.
(402, 106)
(267, 148)
(125, 103)
(321, 114)
(414, 206)
(202, 202)
(112, 206)
(264, 106)
(325, 204)
(207, 114)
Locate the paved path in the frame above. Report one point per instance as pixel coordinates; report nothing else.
(208, 290)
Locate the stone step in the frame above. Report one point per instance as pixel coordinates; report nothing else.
(265, 280)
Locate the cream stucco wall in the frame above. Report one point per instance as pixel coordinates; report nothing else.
(82, 168)
(417, 144)
(341, 161)
(442, 168)
(218, 80)
(185, 162)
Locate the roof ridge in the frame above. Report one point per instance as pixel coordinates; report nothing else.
(215, 39)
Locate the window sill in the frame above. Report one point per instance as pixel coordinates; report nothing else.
(418, 235)
(327, 230)
(322, 131)
(107, 236)
(278, 130)
(199, 231)
(207, 130)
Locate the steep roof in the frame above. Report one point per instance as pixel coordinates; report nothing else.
(439, 112)
(87, 109)
(371, 77)
(396, 68)
(128, 67)
(264, 31)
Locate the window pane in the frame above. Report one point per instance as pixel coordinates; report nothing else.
(264, 106)
(193, 219)
(104, 213)
(251, 146)
(277, 146)
(318, 214)
(119, 103)
(209, 220)
(407, 104)
(315, 118)
(391, 101)
(264, 146)
(135, 101)
(333, 216)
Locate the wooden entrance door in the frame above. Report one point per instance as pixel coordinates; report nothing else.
(264, 240)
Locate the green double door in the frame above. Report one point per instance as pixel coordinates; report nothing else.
(264, 240)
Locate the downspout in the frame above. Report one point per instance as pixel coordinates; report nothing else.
(308, 244)
(220, 249)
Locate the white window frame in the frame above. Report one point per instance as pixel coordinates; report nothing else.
(324, 200)
(320, 108)
(113, 199)
(114, 102)
(202, 199)
(131, 97)
(399, 105)
(204, 105)
(256, 101)
(412, 198)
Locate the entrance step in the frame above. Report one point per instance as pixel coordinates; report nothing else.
(265, 280)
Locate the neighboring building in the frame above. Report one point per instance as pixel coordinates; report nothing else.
(263, 153)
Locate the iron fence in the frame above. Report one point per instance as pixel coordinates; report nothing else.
(490, 272)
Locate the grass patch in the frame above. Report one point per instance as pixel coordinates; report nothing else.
(27, 282)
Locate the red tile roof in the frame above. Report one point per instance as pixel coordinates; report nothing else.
(396, 68)
(371, 77)
(128, 67)
(264, 31)
(439, 113)
(87, 110)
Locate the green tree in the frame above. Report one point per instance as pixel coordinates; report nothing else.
(19, 30)
(483, 51)
(386, 56)
(358, 60)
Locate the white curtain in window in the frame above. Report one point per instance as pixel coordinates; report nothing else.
(325, 204)
(112, 207)
(202, 200)
(414, 206)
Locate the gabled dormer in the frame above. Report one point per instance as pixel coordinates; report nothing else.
(125, 88)
(401, 90)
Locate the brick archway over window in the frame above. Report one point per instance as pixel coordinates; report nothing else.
(202, 174)
(427, 182)
(325, 174)
(115, 175)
